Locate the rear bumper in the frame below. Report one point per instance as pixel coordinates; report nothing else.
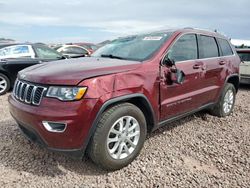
(78, 116)
(245, 73)
(245, 79)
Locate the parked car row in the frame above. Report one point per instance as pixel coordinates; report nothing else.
(72, 51)
(17, 56)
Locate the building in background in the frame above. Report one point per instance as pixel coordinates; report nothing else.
(240, 43)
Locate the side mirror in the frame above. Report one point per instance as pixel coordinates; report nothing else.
(167, 61)
(177, 76)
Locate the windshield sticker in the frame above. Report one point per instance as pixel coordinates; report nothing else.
(153, 38)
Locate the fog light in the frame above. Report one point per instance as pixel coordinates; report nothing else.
(54, 126)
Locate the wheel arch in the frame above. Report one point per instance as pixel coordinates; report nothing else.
(8, 76)
(5, 74)
(235, 80)
(138, 100)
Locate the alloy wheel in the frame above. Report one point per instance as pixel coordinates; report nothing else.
(123, 137)
(228, 101)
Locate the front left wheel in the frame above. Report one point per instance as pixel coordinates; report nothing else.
(119, 137)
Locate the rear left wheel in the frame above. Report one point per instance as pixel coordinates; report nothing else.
(225, 105)
(119, 137)
(4, 84)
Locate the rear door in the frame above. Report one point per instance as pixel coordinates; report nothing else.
(214, 66)
(176, 99)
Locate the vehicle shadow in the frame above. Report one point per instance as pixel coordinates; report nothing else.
(170, 126)
(19, 154)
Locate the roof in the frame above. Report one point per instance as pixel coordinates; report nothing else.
(12, 44)
(188, 30)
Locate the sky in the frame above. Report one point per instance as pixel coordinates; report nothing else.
(59, 21)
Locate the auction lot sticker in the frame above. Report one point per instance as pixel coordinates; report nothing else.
(153, 38)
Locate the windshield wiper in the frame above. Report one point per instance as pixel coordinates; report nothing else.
(111, 56)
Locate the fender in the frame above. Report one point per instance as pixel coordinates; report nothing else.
(114, 101)
(79, 153)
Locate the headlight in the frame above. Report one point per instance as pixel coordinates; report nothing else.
(66, 93)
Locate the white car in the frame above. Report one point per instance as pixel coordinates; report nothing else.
(72, 51)
(245, 65)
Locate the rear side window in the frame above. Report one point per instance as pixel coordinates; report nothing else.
(225, 47)
(185, 48)
(244, 56)
(208, 47)
(15, 51)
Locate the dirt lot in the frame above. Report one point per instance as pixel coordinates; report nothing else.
(197, 151)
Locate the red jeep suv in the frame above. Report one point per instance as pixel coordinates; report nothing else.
(105, 105)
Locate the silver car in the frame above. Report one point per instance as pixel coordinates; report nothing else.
(245, 65)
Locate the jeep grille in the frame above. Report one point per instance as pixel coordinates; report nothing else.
(28, 93)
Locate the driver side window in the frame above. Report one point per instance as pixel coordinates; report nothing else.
(185, 48)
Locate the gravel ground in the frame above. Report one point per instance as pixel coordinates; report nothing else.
(197, 151)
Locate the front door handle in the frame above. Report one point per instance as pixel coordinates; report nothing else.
(222, 62)
(196, 66)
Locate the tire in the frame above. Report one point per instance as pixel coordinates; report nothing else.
(4, 84)
(225, 105)
(110, 156)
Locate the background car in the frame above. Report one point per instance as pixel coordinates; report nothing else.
(89, 46)
(2, 45)
(245, 65)
(16, 57)
(72, 51)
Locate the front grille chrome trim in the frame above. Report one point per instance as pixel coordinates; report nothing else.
(27, 93)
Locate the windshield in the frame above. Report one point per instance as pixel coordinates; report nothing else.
(138, 47)
(57, 47)
(45, 52)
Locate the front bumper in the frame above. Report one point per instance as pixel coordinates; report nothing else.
(78, 115)
(245, 79)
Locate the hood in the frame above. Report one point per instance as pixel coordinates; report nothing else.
(73, 71)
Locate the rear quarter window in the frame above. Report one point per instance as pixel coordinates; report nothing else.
(225, 47)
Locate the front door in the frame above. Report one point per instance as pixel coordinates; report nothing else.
(176, 99)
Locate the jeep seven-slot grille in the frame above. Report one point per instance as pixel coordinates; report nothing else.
(28, 93)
